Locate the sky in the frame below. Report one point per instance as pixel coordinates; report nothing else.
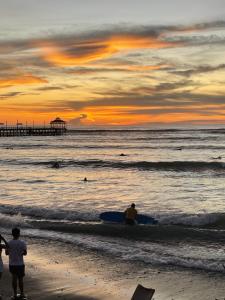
(112, 63)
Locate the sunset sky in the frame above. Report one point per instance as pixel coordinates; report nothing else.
(121, 62)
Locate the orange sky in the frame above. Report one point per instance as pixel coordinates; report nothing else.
(133, 76)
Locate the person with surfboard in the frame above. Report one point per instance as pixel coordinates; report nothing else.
(16, 249)
(130, 215)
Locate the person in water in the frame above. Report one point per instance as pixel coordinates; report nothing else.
(130, 215)
(16, 249)
(56, 165)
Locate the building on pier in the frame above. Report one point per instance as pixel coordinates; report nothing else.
(57, 127)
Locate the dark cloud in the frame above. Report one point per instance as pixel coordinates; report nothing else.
(87, 71)
(175, 99)
(49, 88)
(199, 69)
(123, 69)
(163, 87)
(208, 25)
(10, 95)
(56, 88)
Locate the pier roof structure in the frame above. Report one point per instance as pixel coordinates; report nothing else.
(57, 127)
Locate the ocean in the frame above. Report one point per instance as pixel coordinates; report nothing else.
(177, 176)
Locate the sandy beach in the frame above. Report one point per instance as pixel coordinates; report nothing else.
(50, 276)
(57, 271)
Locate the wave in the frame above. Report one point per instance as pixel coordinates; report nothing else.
(127, 146)
(48, 213)
(152, 253)
(165, 244)
(35, 181)
(63, 216)
(146, 165)
(193, 166)
(12, 220)
(154, 249)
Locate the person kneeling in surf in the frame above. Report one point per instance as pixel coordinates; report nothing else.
(16, 249)
(130, 215)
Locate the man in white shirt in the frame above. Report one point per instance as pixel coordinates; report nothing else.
(16, 250)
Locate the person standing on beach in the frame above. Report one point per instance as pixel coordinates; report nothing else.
(130, 215)
(2, 246)
(16, 250)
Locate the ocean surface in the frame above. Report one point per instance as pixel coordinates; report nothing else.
(176, 176)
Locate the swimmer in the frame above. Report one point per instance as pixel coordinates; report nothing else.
(122, 154)
(56, 165)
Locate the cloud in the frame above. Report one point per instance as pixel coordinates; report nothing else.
(83, 52)
(10, 95)
(21, 80)
(122, 68)
(200, 109)
(148, 100)
(78, 120)
(68, 50)
(49, 88)
(143, 59)
(199, 69)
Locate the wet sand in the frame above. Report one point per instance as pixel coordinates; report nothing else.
(58, 271)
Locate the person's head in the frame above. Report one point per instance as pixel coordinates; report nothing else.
(133, 205)
(16, 232)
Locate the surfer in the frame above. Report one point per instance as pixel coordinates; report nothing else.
(130, 215)
(16, 249)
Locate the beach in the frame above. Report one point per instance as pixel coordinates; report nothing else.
(58, 271)
(73, 254)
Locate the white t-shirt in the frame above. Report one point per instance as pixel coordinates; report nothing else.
(16, 251)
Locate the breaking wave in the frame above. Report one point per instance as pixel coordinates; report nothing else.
(193, 166)
(204, 220)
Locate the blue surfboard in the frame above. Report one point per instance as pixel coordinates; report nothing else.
(118, 217)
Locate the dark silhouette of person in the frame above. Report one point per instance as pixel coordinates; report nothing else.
(16, 249)
(56, 165)
(130, 215)
(85, 179)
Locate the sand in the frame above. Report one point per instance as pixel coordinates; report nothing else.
(61, 271)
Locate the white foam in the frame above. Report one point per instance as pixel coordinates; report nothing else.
(190, 219)
(12, 220)
(185, 255)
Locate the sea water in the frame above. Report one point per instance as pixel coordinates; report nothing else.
(176, 176)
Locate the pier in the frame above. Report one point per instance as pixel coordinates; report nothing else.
(57, 127)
